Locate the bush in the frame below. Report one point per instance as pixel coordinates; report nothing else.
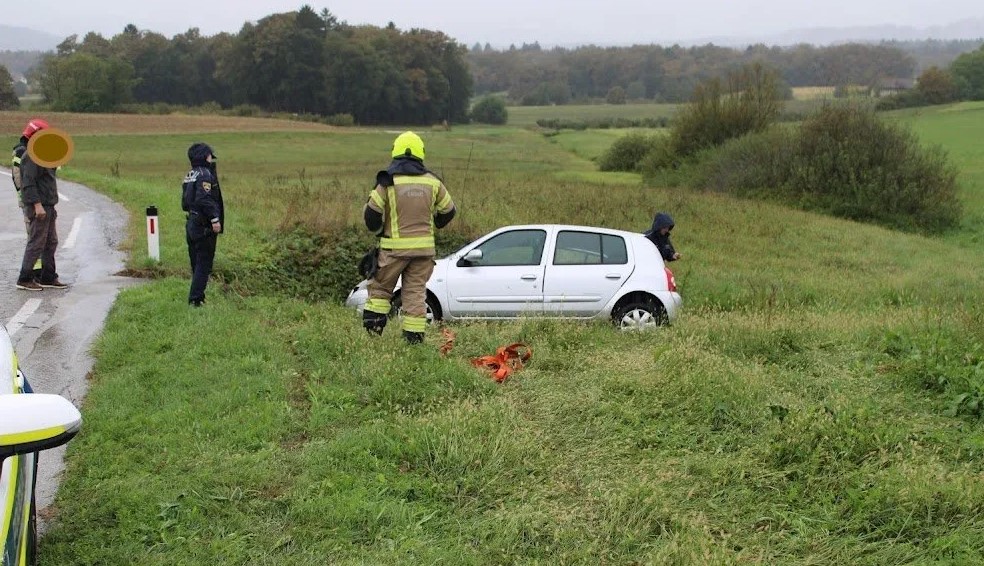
(751, 102)
(490, 110)
(341, 120)
(751, 166)
(246, 110)
(626, 153)
(616, 95)
(846, 162)
(854, 165)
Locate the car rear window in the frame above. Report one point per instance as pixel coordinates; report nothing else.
(589, 248)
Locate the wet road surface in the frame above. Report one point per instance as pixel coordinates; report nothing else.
(52, 330)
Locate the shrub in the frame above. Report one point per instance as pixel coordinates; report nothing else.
(616, 95)
(846, 162)
(490, 110)
(750, 103)
(246, 110)
(852, 164)
(626, 153)
(341, 120)
(753, 165)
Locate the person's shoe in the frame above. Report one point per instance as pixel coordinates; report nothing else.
(56, 284)
(196, 304)
(413, 337)
(29, 286)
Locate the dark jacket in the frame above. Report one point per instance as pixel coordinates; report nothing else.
(38, 184)
(201, 198)
(662, 242)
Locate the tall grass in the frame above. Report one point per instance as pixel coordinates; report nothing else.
(791, 415)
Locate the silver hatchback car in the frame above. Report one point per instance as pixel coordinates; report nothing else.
(550, 270)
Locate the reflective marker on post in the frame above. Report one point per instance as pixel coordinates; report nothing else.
(153, 234)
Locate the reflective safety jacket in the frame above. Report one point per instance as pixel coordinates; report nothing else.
(15, 164)
(408, 206)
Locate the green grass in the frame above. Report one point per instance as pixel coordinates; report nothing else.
(808, 407)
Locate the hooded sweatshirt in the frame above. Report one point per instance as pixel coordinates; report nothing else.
(662, 242)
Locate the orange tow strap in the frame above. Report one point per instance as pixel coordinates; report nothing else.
(506, 360)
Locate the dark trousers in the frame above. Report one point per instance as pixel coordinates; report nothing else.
(42, 241)
(201, 252)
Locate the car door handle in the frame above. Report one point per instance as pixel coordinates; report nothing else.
(613, 276)
(528, 277)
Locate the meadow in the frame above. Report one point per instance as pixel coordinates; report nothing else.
(817, 402)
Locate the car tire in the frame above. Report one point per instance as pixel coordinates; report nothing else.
(433, 308)
(640, 315)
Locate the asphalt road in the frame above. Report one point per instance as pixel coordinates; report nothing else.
(52, 330)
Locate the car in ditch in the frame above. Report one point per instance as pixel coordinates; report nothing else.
(550, 270)
(29, 423)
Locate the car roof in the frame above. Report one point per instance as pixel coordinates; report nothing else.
(575, 227)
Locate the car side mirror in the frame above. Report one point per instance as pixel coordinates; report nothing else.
(31, 422)
(471, 258)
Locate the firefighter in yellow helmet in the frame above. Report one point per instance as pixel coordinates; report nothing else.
(406, 205)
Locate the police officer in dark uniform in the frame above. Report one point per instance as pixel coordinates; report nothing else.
(201, 198)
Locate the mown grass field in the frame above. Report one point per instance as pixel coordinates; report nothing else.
(804, 409)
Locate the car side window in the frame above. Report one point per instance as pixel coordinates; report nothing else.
(589, 248)
(516, 247)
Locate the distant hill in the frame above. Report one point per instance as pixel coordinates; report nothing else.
(24, 39)
(964, 29)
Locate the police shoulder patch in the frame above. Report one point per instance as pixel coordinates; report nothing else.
(206, 186)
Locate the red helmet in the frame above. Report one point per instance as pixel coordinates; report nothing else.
(33, 126)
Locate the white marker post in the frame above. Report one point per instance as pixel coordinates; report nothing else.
(153, 234)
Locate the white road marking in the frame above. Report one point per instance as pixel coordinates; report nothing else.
(7, 174)
(73, 235)
(22, 315)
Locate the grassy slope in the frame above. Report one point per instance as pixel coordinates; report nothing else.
(767, 426)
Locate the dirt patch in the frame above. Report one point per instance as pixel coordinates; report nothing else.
(82, 124)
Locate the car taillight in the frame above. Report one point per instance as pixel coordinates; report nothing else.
(670, 281)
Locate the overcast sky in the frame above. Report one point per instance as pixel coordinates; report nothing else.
(504, 22)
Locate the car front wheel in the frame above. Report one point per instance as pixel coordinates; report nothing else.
(640, 315)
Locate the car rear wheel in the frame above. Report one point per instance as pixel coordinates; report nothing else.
(640, 315)
(433, 308)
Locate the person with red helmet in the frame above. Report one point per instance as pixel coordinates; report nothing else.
(15, 163)
(39, 195)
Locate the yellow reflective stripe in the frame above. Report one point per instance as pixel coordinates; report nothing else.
(423, 242)
(31, 436)
(414, 323)
(394, 216)
(16, 161)
(377, 199)
(8, 505)
(445, 202)
(378, 306)
(416, 180)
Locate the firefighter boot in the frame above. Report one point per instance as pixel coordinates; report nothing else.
(374, 322)
(413, 337)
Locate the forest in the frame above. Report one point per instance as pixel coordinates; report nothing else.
(310, 63)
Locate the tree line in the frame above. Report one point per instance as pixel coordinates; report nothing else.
(299, 62)
(534, 76)
(310, 63)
